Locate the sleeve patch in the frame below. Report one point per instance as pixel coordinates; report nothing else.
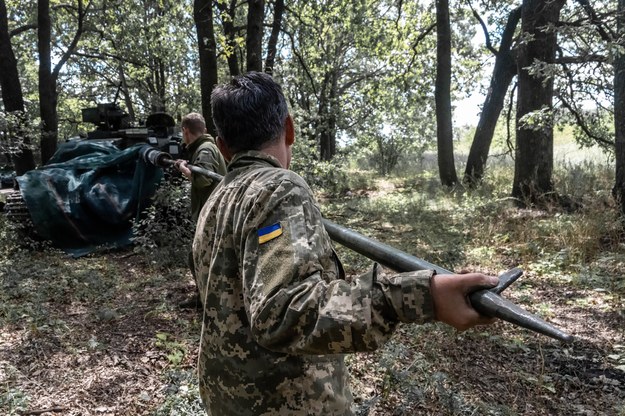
(269, 233)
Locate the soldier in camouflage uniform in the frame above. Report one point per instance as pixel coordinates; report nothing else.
(202, 152)
(279, 312)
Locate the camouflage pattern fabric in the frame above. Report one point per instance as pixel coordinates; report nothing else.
(204, 154)
(279, 312)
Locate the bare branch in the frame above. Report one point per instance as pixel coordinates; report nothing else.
(400, 5)
(357, 80)
(69, 7)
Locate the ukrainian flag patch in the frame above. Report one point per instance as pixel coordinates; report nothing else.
(269, 233)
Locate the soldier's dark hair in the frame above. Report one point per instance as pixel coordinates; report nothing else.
(249, 111)
(194, 122)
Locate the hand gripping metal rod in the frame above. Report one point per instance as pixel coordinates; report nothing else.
(487, 302)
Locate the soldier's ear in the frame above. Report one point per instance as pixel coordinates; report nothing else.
(223, 148)
(289, 130)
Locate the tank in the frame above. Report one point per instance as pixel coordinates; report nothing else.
(113, 124)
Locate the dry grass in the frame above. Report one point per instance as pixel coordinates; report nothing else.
(102, 335)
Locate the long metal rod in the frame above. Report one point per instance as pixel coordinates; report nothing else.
(196, 169)
(382, 253)
(486, 302)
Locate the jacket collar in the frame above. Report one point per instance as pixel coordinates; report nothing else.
(252, 157)
(198, 142)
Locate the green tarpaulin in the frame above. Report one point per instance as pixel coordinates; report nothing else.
(89, 194)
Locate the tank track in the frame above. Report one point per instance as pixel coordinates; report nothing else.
(16, 212)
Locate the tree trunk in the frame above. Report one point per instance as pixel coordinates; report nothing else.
(327, 135)
(124, 89)
(326, 127)
(9, 76)
(278, 12)
(444, 133)
(228, 15)
(503, 73)
(534, 145)
(47, 83)
(619, 112)
(12, 97)
(254, 39)
(207, 46)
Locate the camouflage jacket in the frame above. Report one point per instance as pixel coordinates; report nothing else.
(279, 312)
(204, 154)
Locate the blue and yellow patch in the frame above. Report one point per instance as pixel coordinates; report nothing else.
(269, 233)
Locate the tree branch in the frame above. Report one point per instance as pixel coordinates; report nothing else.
(579, 119)
(489, 45)
(508, 118)
(594, 19)
(581, 59)
(42, 411)
(70, 50)
(356, 80)
(278, 11)
(21, 29)
(300, 58)
(416, 43)
(104, 56)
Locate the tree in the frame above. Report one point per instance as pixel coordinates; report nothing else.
(503, 74)
(48, 76)
(355, 74)
(329, 65)
(444, 132)
(619, 109)
(254, 36)
(534, 115)
(272, 43)
(12, 96)
(583, 72)
(247, 27)
(143, 50)
(207, 47)
(230, 46)
(231, 37)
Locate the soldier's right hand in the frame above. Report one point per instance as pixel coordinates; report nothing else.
(451, 298)
(181, 165)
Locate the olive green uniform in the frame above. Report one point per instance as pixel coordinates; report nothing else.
(279, 312)
(204, 154)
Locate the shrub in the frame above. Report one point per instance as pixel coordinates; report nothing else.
(330, 177)
(165, 231)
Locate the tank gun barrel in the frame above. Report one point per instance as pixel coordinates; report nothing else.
(164, 160)
(487, 302)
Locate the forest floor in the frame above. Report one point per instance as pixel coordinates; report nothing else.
(103, 335)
